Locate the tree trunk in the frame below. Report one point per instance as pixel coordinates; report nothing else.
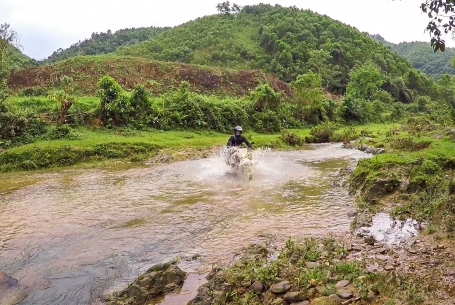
(66, 104)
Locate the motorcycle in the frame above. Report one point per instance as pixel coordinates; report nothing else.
(241, 161)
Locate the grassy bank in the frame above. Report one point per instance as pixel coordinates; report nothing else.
(88, 145)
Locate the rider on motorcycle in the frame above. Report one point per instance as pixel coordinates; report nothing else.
(237, 139)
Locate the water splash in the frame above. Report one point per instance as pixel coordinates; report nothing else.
(72, 228)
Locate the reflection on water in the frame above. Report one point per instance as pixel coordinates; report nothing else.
(70, 236)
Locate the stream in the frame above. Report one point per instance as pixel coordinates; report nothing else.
(71, 235)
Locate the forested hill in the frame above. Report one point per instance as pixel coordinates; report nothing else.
(104, 43)
(284, 41)
(17, 60)
(422, 56)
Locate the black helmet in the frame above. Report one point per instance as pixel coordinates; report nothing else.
(238, 128)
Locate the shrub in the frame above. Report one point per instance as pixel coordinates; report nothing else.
(323, 133)
(292, 139)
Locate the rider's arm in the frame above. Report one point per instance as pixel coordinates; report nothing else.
(247, 143)
(230, 142)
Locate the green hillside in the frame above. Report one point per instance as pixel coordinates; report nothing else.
(104, 43)
(422, 56)
(284, 41)
(17, 60)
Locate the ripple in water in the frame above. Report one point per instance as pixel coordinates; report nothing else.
(89, 232)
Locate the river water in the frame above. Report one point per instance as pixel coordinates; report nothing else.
(72, 235)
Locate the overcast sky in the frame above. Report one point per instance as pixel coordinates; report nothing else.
(47, 25)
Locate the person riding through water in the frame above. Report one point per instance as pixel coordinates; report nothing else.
(237, 139)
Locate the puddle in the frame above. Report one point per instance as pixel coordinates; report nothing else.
(389, 231)
(188, 292)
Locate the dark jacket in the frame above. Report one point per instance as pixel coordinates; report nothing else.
(237, 141)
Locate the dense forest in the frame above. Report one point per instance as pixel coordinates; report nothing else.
(286, 42)
(266, 67)
(422, 56)
(104, 43)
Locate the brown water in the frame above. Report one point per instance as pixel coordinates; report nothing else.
(71, 235)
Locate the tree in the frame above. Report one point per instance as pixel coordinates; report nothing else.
(365, 80)
(8, 39)
(442, 21)
(64, 97)
(225, 8)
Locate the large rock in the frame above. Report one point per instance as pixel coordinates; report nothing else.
(6, 282)
(154, 283)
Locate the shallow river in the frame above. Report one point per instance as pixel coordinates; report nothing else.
(70, 236)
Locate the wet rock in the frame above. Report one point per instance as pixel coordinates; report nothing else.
(381, 250)
(10, 292)
(155, 282)
(294, 296)
(351, 214)
(257, 287)
(389, 267)
(342, 284)
(311, 265)
(382, 257)
(345, 294)
(280, 287)
(324, 301)
(413, 251)
(6, 282)
(374, 150)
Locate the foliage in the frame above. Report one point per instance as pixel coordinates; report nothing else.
(69, 155)
(8, 39)
(114, 103)
(323, 133)
(285, 41)
(423, 58)
(225, 8)
(103, 43)
(442, 21)
(365, 81)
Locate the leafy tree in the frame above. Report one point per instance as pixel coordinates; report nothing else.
(64, 97)
(114, 105)
(442, 14)
(8, 39)
(225, 8)
(365, 80)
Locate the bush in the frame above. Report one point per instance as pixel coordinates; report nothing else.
(266, 121)
(323, 133)
(292, 139)
(33, 91)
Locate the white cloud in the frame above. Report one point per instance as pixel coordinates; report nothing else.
(44, 26)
